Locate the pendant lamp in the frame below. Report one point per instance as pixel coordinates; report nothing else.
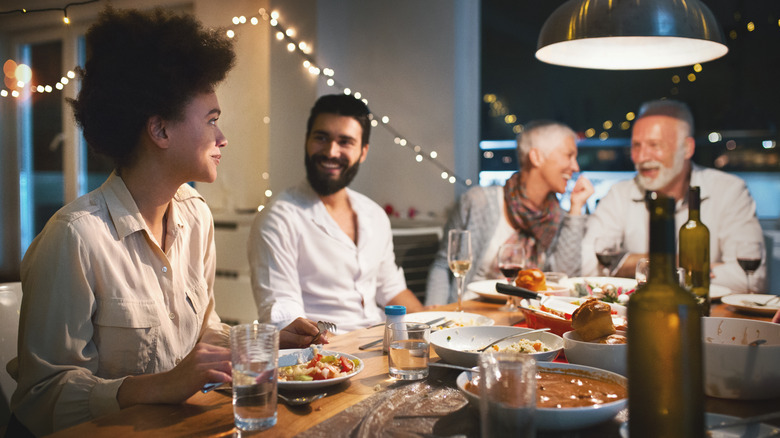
(630, 34)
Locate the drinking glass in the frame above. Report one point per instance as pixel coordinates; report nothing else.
(510, 259)
(607, 249)
(254, 352)
(459, 257)
(749, 255)
(642, 270)
(507, 394)
(409, 350)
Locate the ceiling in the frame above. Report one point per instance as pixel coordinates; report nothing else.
(739, 92)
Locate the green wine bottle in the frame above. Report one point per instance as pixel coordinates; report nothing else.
(694, 247)
(666, 388)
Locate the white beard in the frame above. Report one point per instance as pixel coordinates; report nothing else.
(665, 174)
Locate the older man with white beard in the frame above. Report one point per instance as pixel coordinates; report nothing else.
(662, 145)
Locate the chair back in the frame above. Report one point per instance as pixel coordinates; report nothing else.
(10, 304)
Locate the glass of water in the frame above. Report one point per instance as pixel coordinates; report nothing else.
(507, 395)
(409, 350)
(254, 353)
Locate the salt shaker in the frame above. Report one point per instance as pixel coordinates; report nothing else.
(393, 314)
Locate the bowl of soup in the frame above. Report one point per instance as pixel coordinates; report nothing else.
(733, 368)
(569, 396)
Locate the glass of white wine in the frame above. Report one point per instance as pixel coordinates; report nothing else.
(459, 257)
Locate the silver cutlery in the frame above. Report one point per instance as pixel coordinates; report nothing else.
(374, 343)
(301, 399)
(776, 297)
(323, 326)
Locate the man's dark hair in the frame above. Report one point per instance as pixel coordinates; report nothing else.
(342, 105)
(140, 65)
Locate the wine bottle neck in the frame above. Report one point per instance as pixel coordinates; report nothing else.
(662, 244)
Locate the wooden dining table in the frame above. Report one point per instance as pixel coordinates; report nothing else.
(211, 414)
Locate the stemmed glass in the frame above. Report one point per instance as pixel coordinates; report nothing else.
(459, 257)
(607, 251)
(510, 259)
(749, 256)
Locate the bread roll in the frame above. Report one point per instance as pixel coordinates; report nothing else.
(593, 320)
(531, 279)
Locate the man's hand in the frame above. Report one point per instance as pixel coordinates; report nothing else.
(299, 334)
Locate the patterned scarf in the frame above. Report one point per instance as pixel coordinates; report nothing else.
(536, 229)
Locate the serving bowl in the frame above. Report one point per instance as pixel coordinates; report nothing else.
(456, 345)
(559, 419)
(610, 357)
(732, 368)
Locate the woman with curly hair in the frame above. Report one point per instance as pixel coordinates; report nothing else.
(118, 303)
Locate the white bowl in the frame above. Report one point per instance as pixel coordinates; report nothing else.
(610, 357)
(554, 419)
(452, 344)
(734, 370)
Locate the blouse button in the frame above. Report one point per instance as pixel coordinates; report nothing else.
(172, 315)
(165, 269)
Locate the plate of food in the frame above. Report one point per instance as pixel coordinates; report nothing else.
(312, 368)
(459, 319)
(595, 396)
(607, 289)
(458, 346)
(762, 304)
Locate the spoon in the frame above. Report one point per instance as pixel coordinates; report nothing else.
(301, 400)
(516, 335)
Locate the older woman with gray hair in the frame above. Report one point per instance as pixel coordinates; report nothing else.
(525, 210)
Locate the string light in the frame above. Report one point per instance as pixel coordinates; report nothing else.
(64, 10)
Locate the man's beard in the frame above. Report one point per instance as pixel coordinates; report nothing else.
(665, 174)
(323, 184)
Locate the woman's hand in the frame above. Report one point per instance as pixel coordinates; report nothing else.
(299, 334)
(204, 364)
(580, 194)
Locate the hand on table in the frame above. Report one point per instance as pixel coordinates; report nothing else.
(204, 364)
(776, 318)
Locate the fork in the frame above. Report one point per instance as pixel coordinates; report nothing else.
(767, 301)
(323, 326)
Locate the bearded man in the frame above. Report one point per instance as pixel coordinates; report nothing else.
(662, 145)
(322, 250)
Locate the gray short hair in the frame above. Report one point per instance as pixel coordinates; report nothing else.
(669, 108)
(543, 135)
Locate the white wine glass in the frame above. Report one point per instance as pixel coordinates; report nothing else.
(459, 257)
(749, 255)
(607, 250)
(510, 259)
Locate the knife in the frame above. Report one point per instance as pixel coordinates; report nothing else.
(373, 343)
(516, 291)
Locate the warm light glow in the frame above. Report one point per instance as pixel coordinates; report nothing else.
(268, 193)
(714, 137)
(71, 74)
(374, 123)
(47, 89)
(625, 125)
(275, 15)
(433, 155)
(330, 82)
(254, 21)
(403, 142)
(4, 93)
(242, 19)
(15, 93)
(306, 64)
(603, 136)
(418, 158)
(347, 91)
(64, 80)
(266, 120)
(235, 20)
(290, 32)
(40, 88)
(675, 79)
(697, 68)
(66, 20)
(452, 180)
(590, 132)
(751, 26)
(417, 148)
(357, 95)
(444, 175)
(9, 68)
(265, 175)
(302, 46)
(23, 73)
(385, 119)
(279, 36)
(489, 98)
(510, 119)
(607, 124)
(691, 77)
(230, 33)
(630, 116)
(59, 86)
(291, 47)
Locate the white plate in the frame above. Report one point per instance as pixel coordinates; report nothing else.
(751, 430)
(300, 355)
(454, 345)
(553, 419)
(744, 302)
(717, 291)
(461, 319)
(487, 290)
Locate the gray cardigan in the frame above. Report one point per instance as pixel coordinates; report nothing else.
(480, 211)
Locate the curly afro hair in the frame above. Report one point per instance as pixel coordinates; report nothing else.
(144, 64)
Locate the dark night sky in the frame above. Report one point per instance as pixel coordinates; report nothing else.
(740, 91)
